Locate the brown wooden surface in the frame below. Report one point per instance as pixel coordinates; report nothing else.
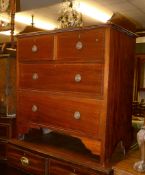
(8, 85)
(36, 163)
(58, 167)
(92, 45)
(7, 131)
(61, 77)
(65, 149)
(120, 91)
(44, 46)
(125, 167)
(140, 58)
(106, 119)
(57, 112)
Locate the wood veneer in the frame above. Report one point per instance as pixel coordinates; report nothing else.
(103, 57)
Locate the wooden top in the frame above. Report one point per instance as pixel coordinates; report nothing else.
(78, 29)
(61, 147)
(125, 167)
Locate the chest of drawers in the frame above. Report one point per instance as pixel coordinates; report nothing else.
(52, 154)
(77, 82)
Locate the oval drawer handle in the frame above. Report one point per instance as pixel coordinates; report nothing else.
(77, 115)
(24, 161)
(35, 76)
(79, 45)
(78, 78)
(34, 108)
(34, 48)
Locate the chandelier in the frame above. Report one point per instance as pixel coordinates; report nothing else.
(69, 16)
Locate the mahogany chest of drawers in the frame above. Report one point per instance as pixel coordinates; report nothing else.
(77, 82)
(52, 154)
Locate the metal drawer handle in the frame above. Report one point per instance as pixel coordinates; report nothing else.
(79, 45)
(34, 48)
(77, 115)
(34, 108)
(24, 161)
(35, 76)
(78, 78)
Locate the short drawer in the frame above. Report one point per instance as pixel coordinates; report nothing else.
(35, 48)
(26, 161)
(5, 131)
(62, 168)
(78, 78)
(71, 115)
(85, 45)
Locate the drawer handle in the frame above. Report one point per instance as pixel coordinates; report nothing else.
(79, 45)
(77, 115)
(78, 78)
(34, 108)
(24, 161)
(34, 48)
(35, 76)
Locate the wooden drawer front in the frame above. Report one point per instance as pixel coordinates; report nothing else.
(36, 48)
(25, 160)
(5, 131)
(61, 168)
(72, 115)
(2, 149)
(80, 78)
(81, 45)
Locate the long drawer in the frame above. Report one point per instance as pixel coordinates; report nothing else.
(82, 45)
(78, 78)
(36, 48)
(63, 168)
(78, 116)
(25, 160)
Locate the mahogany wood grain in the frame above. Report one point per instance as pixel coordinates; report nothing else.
(61, 77)
(59, 167)
(106, 119)
(36, 164)
(92, 45)
(120, 91)
(42, 44)
(57, 112)
(63, 149)
(8, 170)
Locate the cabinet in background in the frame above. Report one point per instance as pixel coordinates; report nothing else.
(140, 64)
(7, 84)
(7, 131)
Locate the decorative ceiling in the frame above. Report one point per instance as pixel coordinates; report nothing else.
(48, 11)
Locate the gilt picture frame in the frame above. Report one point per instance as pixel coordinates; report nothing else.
(7, 11)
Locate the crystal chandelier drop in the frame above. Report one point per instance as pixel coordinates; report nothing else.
(69, 16)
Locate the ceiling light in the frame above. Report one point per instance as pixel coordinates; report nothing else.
(96, 12)
(8, 32)
(26, 19)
